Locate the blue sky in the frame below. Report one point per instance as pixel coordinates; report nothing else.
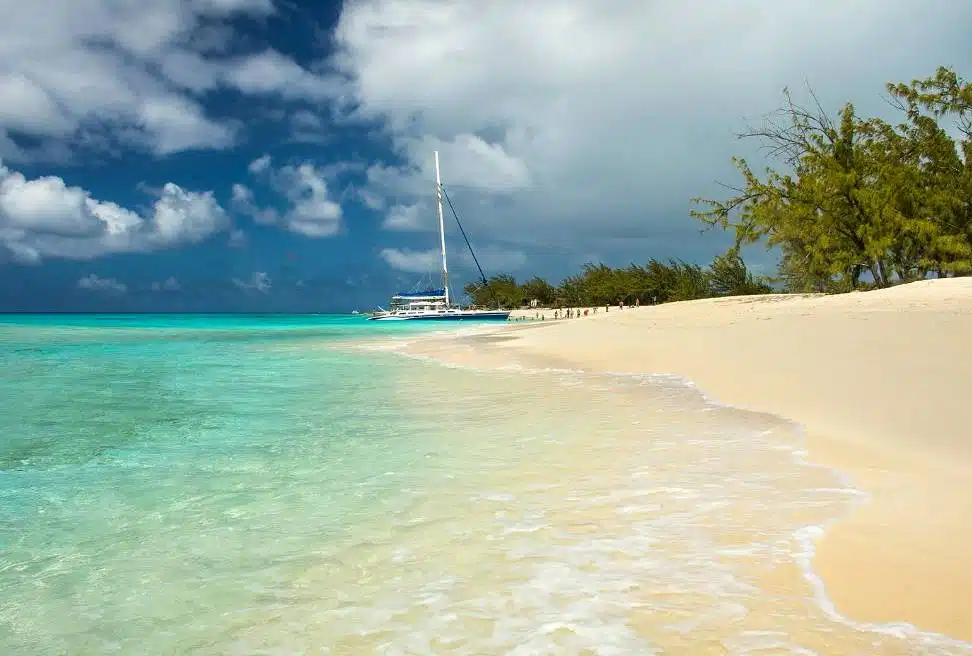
(276, 155)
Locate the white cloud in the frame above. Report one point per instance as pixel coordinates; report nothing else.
(244, 202)
(259, 282)
(84, 72)
(493, 259)
(30, 108)
(260, 165)
(92, 282)
(170, 284)
(242, 195)
(414, 216)
(45, 217)
(412, 261)
(175, 124)
(182, 216)
(311, 210)
(369, 199)
(271, 73)
(264, 7)
(190, 70)
(312, 213)
(592, 121)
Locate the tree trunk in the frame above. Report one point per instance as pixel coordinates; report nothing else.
(877, 270)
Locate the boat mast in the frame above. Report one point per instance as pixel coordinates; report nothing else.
(438, 201)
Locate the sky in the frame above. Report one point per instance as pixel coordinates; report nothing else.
(277, 155)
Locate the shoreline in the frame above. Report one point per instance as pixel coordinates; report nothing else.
(899, 559)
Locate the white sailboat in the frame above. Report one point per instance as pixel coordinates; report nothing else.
(435, 304)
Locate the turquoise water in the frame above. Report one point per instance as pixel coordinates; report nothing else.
(152, 468)
(266, 485)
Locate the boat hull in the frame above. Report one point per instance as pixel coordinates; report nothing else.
(485, 315)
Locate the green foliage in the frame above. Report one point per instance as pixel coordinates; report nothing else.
(539, 289)
(728, 276)
(853, 195)
(500, 291)
(858, 194)
(599, 284)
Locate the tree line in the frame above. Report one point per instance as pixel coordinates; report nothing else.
(597, 284)
(854, 202)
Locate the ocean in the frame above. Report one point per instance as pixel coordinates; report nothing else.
(297, 484)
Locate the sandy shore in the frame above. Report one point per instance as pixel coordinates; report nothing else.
(882, 382)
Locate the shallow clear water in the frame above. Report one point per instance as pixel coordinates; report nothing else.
(239, 485)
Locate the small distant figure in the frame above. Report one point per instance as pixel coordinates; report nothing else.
(638, 302)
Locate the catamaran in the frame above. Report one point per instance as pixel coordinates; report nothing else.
(436, 304)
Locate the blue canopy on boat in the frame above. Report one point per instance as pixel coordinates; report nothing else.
(427, 292)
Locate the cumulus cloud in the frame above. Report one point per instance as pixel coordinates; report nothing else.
(270, 72)
(95, 72)
(311, 211)
(414, 216)
(258, 282)
(92, 282)
(170, 284)
(243, 201)
(586, 127)
(411, 261)
(493, 259)
(599, 121)
(260, 165)
(182, 216)
(84, 73)
(45, 217)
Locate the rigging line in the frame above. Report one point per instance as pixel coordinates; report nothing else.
(468, 245)
(482, 275)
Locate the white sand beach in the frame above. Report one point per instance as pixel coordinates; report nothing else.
(882, 383)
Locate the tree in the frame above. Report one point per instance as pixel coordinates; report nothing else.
(945, 168)
(690, 282)
(858, 195)
(500, 290)
(728, 276)
(821, 210)
(539, 289)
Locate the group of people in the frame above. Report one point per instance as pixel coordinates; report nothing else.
(571, 313)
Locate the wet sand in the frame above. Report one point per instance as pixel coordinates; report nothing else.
(882, 383)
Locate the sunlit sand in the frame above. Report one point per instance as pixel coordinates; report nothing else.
(882, 383)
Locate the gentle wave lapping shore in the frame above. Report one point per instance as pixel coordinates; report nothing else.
(880, 381)
(258, 485)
